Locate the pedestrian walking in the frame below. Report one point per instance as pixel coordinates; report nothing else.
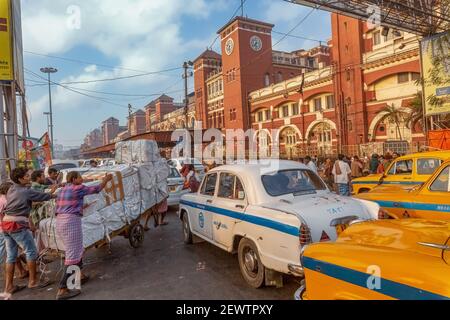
(328, 173)
(192, 179)
(357, 167)
(374, 163)
(342, 174)
(381, 165)
(310, 164)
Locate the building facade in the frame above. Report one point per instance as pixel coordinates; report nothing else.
(93, 140)
(137, 123)
(110, 130)
(341, 97)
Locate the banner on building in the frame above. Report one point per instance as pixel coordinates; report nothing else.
(439, 139)
(41, 154)
(436, 73)
(25, 147)
(6, 61)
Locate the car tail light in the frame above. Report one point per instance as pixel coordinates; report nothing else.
(383, 214)
(325, 237)
(305, 235)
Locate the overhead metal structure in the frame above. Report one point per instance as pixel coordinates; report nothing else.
(12, 86)
(422, 17)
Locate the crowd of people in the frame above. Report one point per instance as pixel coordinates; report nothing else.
(18, 226)
(338, 173)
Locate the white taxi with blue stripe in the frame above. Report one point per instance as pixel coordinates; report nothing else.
(266, 212)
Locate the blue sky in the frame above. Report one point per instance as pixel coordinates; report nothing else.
(127, 38)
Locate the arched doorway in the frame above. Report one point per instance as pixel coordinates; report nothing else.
(264, 141)
(289, 139)
(322, 137)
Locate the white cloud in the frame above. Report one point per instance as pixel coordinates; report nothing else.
(139, 34)
(280, 12)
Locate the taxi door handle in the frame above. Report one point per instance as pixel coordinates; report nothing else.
(240, 206)
(407, 178)
(209, 201)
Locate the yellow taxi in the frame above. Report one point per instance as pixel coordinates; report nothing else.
(429, 201)
(403, 172)
(380, 260)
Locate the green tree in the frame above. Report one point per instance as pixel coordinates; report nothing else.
(394, 115)
(416, 114)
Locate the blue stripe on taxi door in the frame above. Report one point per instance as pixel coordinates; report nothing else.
(285, 228)
(389, 288)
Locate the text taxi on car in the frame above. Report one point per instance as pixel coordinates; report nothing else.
(406, 259)
(266, 214)
(429, 201)
(404, 172)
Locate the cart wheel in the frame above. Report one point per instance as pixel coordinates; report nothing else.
(136, 236)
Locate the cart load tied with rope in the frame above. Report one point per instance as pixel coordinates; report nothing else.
(138, 191)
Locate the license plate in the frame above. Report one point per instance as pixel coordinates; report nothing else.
(341, 228)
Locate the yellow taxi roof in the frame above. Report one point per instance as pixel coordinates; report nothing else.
(445, 154)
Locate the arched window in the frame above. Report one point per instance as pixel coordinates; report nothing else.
(279, 77)
(267, 80)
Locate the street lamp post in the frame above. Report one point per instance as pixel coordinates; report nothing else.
(186, 76)
(47, 114)
(49, 71)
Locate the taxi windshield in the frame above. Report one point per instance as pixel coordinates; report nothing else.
(296, 182)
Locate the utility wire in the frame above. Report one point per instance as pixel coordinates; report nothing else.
(232, 17)
(298, 37)
(42, 84)
(83, 62)
(122, 78)
(75, 91)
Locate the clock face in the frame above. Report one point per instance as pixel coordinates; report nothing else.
(256, 43)
(229, 46)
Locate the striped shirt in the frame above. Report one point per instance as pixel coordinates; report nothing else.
(70, 198)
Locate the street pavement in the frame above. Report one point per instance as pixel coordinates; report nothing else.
(163, 269)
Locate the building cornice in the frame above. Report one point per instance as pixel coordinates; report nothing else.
(382, 62)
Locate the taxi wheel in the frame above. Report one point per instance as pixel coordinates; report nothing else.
(250, 263)
(187, 234)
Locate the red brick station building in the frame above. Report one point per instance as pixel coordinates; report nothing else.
(324, 100)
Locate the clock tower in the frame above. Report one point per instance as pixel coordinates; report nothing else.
(246, 60)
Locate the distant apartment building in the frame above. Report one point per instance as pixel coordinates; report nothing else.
(110, 130)
(94, 139)
(156, 111)
(137, 123)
